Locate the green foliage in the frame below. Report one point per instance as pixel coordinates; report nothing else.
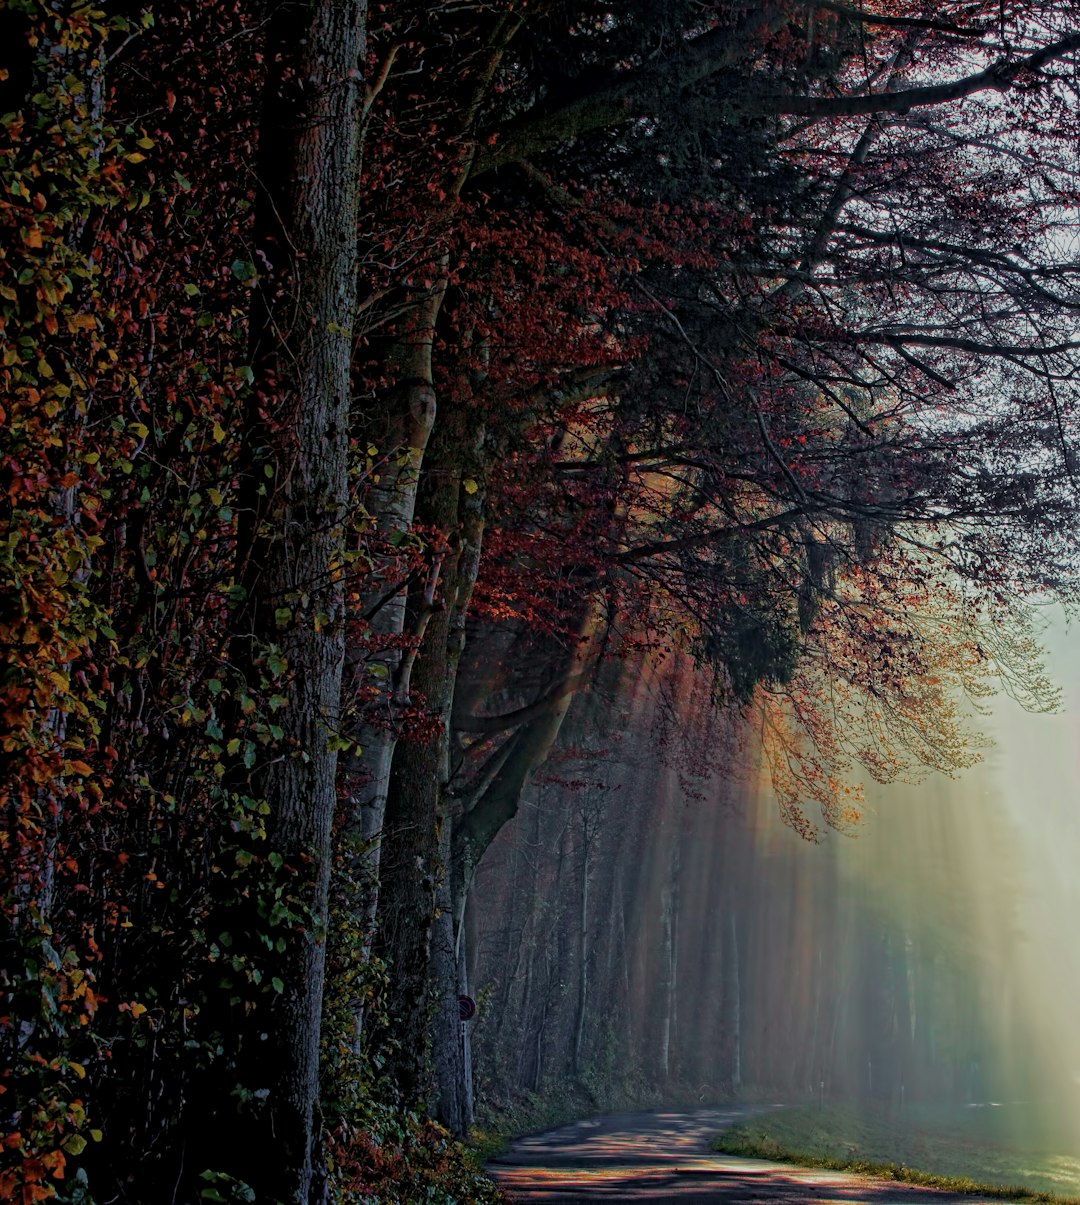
(221, 1187)
(756, 646)
(62, 168)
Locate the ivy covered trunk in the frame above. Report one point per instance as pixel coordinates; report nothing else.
(289, 641)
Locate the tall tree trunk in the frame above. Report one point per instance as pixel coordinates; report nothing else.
(669, 936)
(583, 963)
(402, 439)
(291, 626)
(451, 1041)
(410, 871)
(402, 444)
(416, 799)
(468, 1092)
(733, 1003)
(419, 816)
(448, 1051)
(591, 813)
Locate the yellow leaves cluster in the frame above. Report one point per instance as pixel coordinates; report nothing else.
(890, 685)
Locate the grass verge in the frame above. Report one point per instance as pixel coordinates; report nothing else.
(932, 1151)
(498, 1125)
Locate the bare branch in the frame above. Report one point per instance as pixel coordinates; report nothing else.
(1001, 76)
(885, 21)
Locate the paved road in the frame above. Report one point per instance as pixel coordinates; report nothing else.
(663, 1158)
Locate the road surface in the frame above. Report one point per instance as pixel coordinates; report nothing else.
(657, 1158)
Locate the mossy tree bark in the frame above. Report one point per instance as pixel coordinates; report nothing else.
(289, 631)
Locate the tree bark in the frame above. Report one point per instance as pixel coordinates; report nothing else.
(417, 821)
(402, 445)
(291, 548)
(410, 871)
(669, 939)
(583, 953)
(448, 1052)
(451, 1039)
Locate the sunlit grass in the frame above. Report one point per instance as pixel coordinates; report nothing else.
(960, 1152)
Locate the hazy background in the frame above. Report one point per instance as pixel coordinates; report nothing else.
(649, 925)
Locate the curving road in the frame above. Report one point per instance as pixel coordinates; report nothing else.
(664, 1157)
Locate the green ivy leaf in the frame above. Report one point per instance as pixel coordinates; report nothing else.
(243, 270)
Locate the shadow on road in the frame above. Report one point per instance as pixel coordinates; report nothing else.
(664, 1157)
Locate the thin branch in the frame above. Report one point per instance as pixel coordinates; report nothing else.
(618, 102)
(379, 82)
(488, 725)
(687, 543)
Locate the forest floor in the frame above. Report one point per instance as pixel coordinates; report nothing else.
(665, 1156)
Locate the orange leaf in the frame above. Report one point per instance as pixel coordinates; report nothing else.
(55, 1161)
(33, 1169)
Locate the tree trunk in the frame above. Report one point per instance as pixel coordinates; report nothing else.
(590, 819)
(291, 626)
(416, 822)
(583, 966)
(669, 951)
(447, 1046)
(402, 442)
(734, 1010)
(410, 871)
(452, 1052)
(468, 1094)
